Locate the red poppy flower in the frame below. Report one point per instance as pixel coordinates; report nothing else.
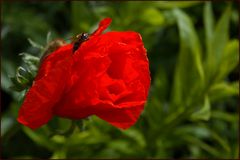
(107, 76)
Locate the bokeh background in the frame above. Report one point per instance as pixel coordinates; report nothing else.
(192, 106)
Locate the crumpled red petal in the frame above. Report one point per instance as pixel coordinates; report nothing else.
(107, 76)
(111, 75)
(46, 90)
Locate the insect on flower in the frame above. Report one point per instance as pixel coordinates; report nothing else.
(57, 43)
(78, 40)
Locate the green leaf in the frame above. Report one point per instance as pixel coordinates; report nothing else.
(223, 90)
(220, 36)
(136, 135)
(204, 113)
(189, 75)
(208, 26)
(218, 43)
(229, 59)
(35, 45)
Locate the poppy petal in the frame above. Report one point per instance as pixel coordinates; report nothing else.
(102, 26)
(46, 90)
(110, 76)
(121, 118)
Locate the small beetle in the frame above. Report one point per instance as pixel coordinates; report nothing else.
(78, 40)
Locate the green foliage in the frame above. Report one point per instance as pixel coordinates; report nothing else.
(189, 60)
(191, 109)
(24, 76)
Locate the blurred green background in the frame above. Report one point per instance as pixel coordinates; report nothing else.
(191, 110)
